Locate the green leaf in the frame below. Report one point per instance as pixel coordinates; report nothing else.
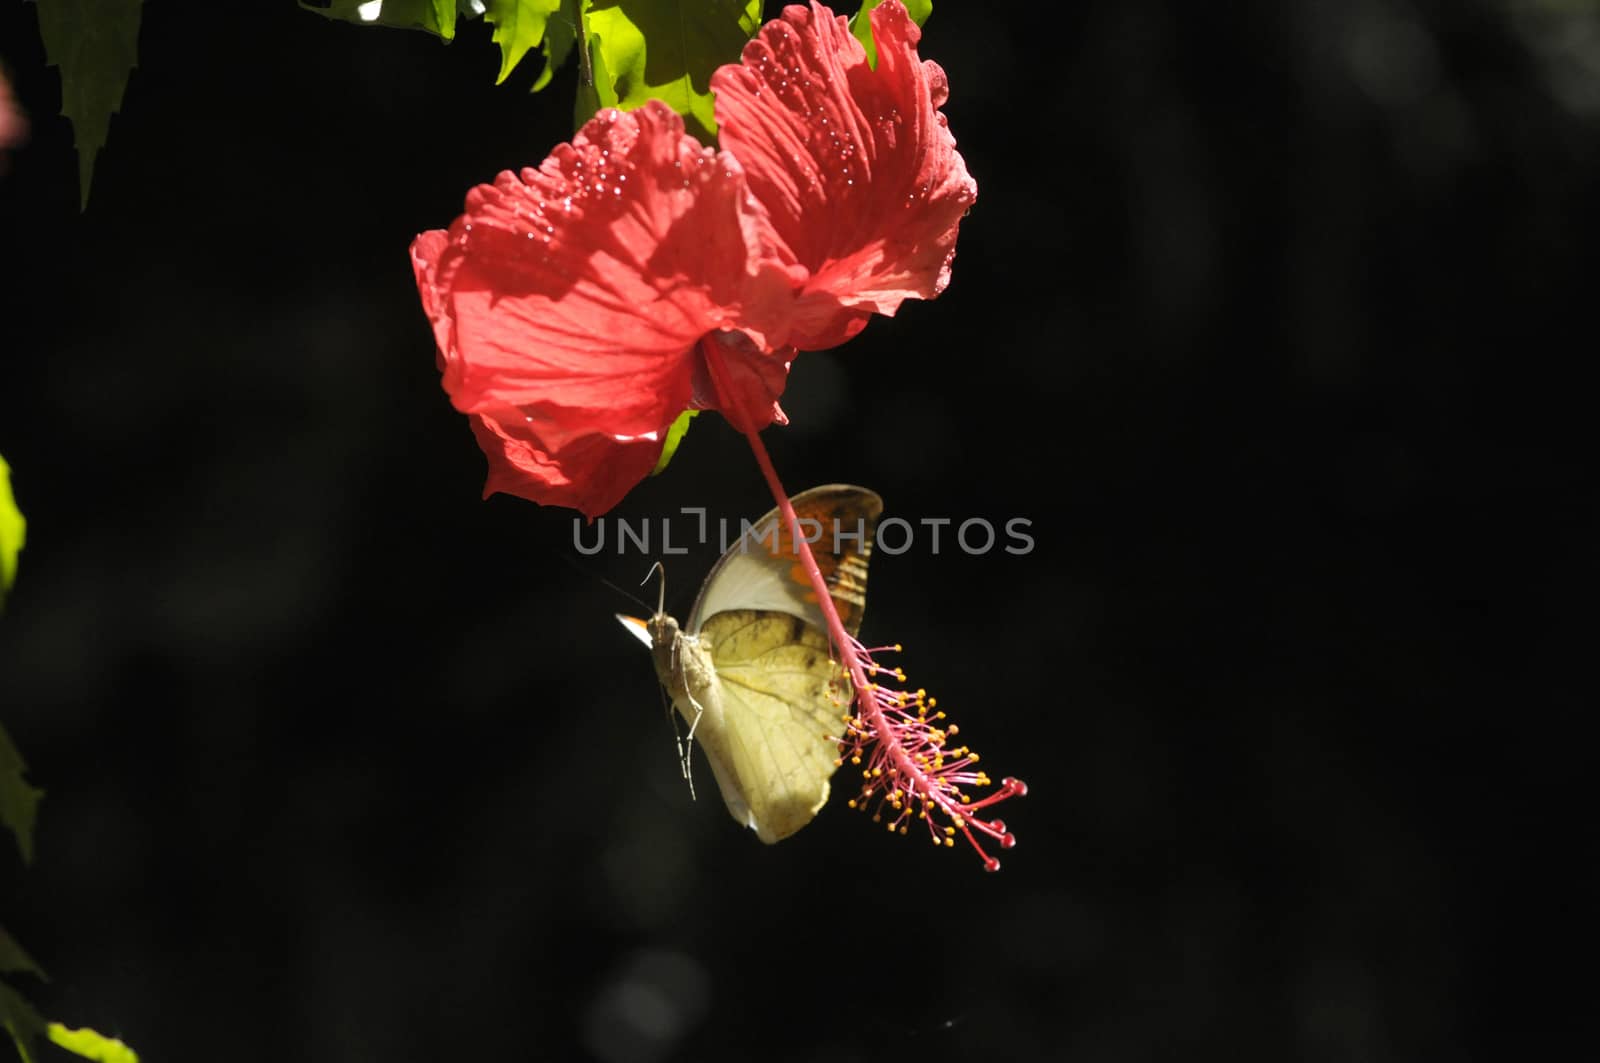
(19, 802)
(96, 45)
(91, 1045)
(14, 958)
(861, 23)
(668, 49)
(437, 17)
(13, 532)
(21, 1021)
(560, 34)
(675, 434)
(519, 27)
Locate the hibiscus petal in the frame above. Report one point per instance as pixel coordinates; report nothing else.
(426, 252)
(590, 474)
(585, 284)
(567, 301)
(856, 167)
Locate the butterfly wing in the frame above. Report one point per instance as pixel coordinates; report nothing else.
(780, 695)
(762, 570)
(752, 671)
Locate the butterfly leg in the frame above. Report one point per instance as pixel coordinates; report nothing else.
(686, 745)
(686, 742)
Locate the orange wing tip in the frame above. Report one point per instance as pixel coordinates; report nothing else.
(639, 629)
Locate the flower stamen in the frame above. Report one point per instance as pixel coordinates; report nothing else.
(910, 771)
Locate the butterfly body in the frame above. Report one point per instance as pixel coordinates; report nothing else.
(763, 696)
(758, 686)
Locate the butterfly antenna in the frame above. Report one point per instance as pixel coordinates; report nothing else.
(658, 569)
(632, 597)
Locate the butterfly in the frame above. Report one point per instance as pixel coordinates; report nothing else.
(752, 673)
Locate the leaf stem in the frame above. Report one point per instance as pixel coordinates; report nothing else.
(585, 64)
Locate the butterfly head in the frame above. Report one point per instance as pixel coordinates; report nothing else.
(660, 627)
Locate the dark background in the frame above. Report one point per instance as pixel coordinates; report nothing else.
(1263, 318)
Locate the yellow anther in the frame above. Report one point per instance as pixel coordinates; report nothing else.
(949, 843)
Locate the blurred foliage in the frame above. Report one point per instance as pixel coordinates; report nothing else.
(19, 802)
(19, 809)
(96, 44)
(91, 1045)
(13, 532)
(21, 1021)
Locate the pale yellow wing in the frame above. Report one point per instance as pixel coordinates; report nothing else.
(781, 696)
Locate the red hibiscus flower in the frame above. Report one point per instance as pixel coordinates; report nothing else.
(581, 306)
